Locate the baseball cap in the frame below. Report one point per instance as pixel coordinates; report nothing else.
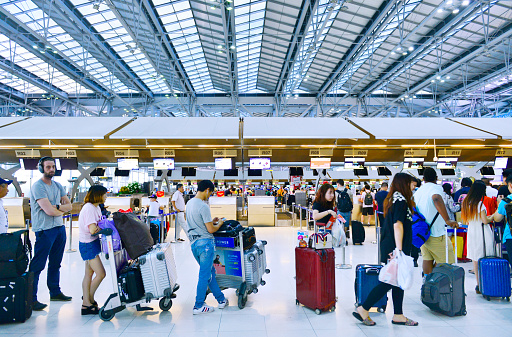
(5, 181)
(153, 196)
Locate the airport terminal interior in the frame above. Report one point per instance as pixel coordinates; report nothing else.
(233, 124)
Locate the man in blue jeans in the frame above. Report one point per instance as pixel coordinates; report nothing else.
(48, 202)
(201, 227)
(344, 204)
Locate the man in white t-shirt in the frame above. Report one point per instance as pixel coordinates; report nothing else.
(4, 220)
(154, 207)
(178, 203)
(429, 201)
(489, 190)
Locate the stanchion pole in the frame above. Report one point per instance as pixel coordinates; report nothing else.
(294, 224)
(71, 250)
(343, 265)
(175, 215)
(300, 216)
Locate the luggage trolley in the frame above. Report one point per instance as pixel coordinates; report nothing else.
(114, 304)
(233, 272)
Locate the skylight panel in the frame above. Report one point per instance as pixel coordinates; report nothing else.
(249, 20)
(26, 11)
(18, 84)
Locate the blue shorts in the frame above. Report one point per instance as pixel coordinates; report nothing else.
(89, 250)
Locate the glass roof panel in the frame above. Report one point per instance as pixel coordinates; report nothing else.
(249, 21)
(184, 36)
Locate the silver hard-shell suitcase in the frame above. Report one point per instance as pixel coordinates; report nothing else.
(262, 257)
(159, 272)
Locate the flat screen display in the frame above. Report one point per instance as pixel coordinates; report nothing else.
(121, 173)
(254, 173)
(446, 163)
(163, 163)
(223, 163)
(320, 163)
(487, 171)
(383, 171)
(127, 163)
(259, 163)
(296, 171)
(361, 171)
(66, 163)
(98, 172)
(29, 163)
(413, 163)
(354, 163)
(188, 171)
(500, 163)
(231, 173)
(448, 172)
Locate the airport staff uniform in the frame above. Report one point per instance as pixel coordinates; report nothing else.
(4, 220)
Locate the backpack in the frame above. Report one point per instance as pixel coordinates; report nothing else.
(368, 199)
(344, 201)
(14, 254)
(461, 198)
(420, 228)
(508, 210)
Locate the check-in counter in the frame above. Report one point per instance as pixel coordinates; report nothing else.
(18, 210)
(223, 207)
(261, 211)
(116, 203)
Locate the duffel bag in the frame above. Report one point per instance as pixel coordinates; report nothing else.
(134, 233)
(14, 254)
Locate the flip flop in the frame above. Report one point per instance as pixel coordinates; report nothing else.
(408, 322)
(368, 321)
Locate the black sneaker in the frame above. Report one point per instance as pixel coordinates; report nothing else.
(38, 306)
(61, 297)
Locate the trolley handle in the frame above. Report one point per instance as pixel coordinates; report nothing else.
(105, 231)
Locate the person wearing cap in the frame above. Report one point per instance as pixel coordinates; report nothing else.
(48, 203)
(154, 207)
(178, 203)
(4, 220)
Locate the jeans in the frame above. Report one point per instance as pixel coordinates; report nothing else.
(204, 253)
(49, 246)
(380, 290)
(347, 216)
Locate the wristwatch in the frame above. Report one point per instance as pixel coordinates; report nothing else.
(58, 207)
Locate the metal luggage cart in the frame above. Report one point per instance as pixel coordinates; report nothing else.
(114, 304)
(238, 281)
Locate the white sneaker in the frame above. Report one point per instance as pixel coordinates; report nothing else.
(205, 309)
(223, 304)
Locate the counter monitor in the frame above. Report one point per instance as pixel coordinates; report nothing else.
(413, 163)
(259, 163)
(223, 163)
(354, 163)
(446, 163)
(320, 163)
(29, 163)
(501, 163)
(66, 163)
(163, 163)
(127, 163)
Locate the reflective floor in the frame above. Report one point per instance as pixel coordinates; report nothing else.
(271, 312)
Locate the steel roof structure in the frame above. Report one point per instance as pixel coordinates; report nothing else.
(253, 58)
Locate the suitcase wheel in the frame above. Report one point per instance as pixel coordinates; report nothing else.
(297, 302)
(267, 271)
(106, 315)
(508, 299)
(264, 242)
(318, 311)
(487, 297)
(242, 295)
(382, 309)
(251, 258)
(255, 291)
(263, 282)
(260, 252)
(165, 303)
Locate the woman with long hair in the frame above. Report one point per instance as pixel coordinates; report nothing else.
(396, 233)
(324, 204)
(474, 214)
(90, 247)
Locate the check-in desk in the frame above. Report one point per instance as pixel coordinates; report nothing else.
(260, 211)
(116, 203)
(223, 207)
(18, 210)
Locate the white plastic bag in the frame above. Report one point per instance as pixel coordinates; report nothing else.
(389, 273)
(405, 270)
(337, 234)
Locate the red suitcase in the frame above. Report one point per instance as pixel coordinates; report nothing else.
(316, 287)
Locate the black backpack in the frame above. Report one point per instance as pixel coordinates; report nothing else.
(508, 210)
(14, 254)
(368, 199)
(344, 201)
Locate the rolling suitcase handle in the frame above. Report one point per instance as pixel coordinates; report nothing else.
(446, 244)
(493, 242)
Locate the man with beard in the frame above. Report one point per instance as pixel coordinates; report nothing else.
(48, 202)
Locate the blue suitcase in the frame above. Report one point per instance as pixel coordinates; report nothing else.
(494, 275)
(367, 277)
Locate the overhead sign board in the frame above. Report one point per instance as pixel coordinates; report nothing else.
(320, 152)
(356, 153)
(126, 153)
(449, 153)
(224, 153)
(260, 153)
(415, 153)
(504, 153)
(63, 153)
(28, 153)
(163, 153)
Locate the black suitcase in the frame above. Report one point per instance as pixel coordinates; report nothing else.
(16, 298)
(443, 290)
(358, 234)
(130, 284)
(14, 254)
(232, 228)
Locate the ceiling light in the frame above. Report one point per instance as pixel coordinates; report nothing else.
(432, 81)
(398, 48)
(447, 77)
(455, 11)
(232, 46)
(440, 10)
(393, 53)
(229, 8)
(442, 81)
(411, 48)
(404, 53)
(465, 2)
(438, 77)
(449, 2)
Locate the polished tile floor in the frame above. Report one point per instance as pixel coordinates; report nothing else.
(271, 312)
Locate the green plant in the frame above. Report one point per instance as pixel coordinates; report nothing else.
(134, 187)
